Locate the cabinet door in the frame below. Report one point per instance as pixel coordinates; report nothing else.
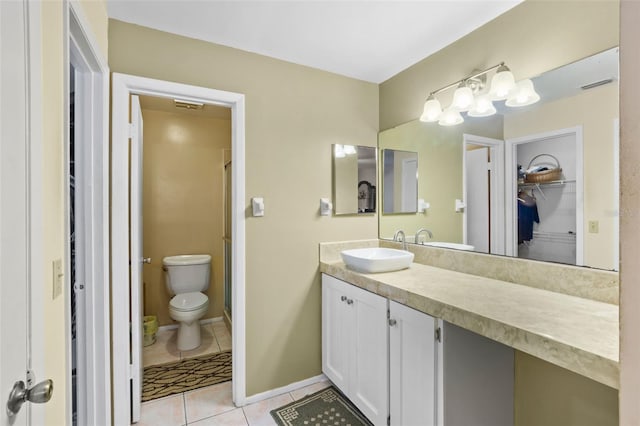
(336, 332)
(412, 366)
(369, 366)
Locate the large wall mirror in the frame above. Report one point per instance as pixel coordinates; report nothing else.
(472, 174)
(354, 179)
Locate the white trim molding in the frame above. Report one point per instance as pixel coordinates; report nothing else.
(123, 86)
(285, 389)
(92, 71)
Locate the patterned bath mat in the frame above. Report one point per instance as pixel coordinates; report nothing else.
(185, 375)
(325, 408)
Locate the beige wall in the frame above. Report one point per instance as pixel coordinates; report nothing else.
(183, 172)
(53, 201)
(439, 174)
(629, 208)
(575, 399)
(531, 38)
(594, 110)
(293, 115)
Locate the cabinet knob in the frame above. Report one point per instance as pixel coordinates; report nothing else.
(392, 322)
(343, 298)
(349, 301)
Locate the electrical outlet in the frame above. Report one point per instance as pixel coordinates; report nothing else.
(594, 226)
(58, 274)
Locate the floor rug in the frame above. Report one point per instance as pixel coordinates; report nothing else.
(325, 408)
(188, 374)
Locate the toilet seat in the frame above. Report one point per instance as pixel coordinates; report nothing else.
(186, 302)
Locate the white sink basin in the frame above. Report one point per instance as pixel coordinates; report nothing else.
(443, 244)
(377, 259)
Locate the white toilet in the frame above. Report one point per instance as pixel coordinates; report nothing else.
(187, 277)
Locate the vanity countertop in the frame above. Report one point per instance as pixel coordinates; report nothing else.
(578, 334)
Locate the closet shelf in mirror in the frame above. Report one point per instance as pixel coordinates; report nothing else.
(545, 184)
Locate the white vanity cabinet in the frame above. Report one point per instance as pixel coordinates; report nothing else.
(412, 366)
(355, 343)
(402, 366)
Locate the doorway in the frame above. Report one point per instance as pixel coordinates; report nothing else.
(545, 219)
(123, 87)
(483, 191)
(184, 150)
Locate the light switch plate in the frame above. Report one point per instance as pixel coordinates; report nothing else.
(58, 274)
(594, 226)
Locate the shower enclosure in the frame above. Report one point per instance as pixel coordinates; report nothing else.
(227, 240)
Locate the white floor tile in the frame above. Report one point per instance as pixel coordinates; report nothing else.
(208, 344)
(168, 411)
(230, 418)
(164, 349)
(209, 401)
(258, 414)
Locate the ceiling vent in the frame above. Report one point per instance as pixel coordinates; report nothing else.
(596, 84)
(187, 104)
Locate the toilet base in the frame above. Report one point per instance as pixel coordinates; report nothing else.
(188, 336)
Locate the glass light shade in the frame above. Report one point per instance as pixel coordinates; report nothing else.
(462, 98)
(501, 84)
(450, 117)
(483, 107)
(523, 94)
(432, 110)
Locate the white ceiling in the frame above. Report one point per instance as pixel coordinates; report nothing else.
(364, 39)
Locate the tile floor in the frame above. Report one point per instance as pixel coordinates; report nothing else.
(212, 406)
(215, 338)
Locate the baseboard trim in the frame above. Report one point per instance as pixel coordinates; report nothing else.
(284, 389)
(202, 322)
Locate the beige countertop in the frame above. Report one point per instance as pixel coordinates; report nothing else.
(575, 333)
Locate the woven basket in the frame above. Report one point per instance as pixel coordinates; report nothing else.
(554, 172)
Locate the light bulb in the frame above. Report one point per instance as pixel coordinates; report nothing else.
(349, 149)
(483, 107)
(462, 98)
(432, 110)
(523, 94)
(450, 117)
(501, 84)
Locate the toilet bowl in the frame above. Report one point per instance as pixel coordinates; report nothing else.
(187, 277)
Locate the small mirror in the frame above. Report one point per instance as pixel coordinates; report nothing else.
(400, 181)
(354, 179)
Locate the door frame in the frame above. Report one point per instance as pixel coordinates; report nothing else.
(512, 187)
(497, 153)
(92, 216)
(123, 86)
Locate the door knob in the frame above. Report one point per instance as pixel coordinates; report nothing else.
(146, 260)
(39, 394)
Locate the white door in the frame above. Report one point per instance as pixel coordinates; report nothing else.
(335, 337)
(369, 365)
(16, 241)
(136, 258)
(412, 366)
(478, 199)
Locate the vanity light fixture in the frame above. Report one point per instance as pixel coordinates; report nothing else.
(471, 97)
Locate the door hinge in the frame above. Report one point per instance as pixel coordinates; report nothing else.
(130, 371)
(132, 130)
(389, 420)
(439, 334)
(388, 314)
(78, 287)
(31, 378)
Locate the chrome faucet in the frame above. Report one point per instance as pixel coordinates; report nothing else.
(396, 237)
(420, 231)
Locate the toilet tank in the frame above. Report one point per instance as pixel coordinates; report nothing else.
(186, 273)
